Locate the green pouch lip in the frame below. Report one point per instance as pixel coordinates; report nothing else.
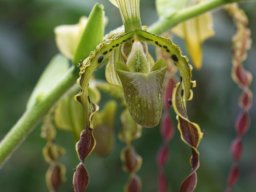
(143, 95)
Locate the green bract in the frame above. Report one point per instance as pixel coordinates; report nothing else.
(92, 34)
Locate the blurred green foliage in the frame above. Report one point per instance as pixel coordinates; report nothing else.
(27, 45)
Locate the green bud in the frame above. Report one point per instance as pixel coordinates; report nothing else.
(137, 60)
(92, 35)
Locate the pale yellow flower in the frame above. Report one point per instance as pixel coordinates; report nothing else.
(68, 37)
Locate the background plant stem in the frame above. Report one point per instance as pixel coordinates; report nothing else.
(29, 119)
(32, 116)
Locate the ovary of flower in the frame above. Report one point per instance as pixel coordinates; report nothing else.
(68, 36)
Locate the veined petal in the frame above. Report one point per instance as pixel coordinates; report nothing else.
(143, 95)
(130, 13)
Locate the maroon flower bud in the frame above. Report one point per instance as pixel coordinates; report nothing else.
(189, 184)
(162, 182)
(86, 143)
(168, 93)
(233, 176)
(246, 99)
(167, 127)
(243, 76)
(134, 184)
(242, 123)
(132, 161)
(80, 179)
(162, 155)
(56, 177)
(237, 149)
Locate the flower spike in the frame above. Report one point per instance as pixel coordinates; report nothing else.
(243, 78)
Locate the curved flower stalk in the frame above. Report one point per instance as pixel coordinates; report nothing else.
(55, 174)
(243, 78)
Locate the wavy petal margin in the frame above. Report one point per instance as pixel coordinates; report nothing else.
(190, 134)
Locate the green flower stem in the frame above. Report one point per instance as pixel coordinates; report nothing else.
(29, 119)
(164, 24)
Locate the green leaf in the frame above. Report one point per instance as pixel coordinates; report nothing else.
(92, 35)
(166, 8)
(54, 73)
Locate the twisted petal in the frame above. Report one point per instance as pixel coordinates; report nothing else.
(190, 134)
